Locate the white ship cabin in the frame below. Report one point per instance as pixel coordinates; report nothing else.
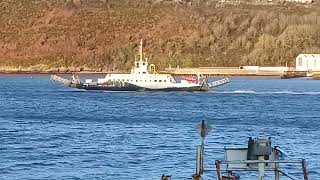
(142, 75)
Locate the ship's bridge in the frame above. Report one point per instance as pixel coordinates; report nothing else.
(141, 65)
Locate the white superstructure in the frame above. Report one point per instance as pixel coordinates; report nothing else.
(145, 76)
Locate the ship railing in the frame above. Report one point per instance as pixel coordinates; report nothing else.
(61, 80)
(219, 82)
(272, 165)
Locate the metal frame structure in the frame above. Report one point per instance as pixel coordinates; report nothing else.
(260, 165)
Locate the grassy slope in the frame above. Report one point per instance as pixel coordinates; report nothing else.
(96, 35)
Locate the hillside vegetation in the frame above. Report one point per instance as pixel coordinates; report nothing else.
(103, 35)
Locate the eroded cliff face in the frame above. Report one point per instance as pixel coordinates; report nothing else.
(46, 35)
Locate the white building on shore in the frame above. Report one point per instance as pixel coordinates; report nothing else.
(300, 1)
(308, 62)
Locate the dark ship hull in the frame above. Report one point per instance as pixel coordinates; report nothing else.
(132, 87)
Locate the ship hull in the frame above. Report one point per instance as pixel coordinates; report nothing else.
(126, 86)
(137, 88)
(196, 88)
(121, 87)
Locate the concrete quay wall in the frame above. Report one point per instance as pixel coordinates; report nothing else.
(223, 72)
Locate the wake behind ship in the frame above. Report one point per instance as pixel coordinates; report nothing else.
(142, 78)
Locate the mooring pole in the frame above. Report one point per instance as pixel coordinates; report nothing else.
(203, 129)
(199, 161)
(304, 169)
(218, 169)
(201, 148)
(163, 177)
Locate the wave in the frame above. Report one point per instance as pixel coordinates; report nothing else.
(285, 92)
(237, 92)
(245, 91)
(292, 92)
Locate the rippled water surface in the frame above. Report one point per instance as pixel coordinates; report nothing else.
(51, 132)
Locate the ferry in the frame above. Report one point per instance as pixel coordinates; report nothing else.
(142, 78)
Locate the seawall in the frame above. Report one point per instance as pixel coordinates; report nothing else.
(233, 71)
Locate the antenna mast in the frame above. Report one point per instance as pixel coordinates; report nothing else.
(140, 50)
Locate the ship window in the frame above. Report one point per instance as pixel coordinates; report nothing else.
(155, 80)
(131, 80)
(127, 80)
(164, 81)
(160, 80)
(137, 65)
(136, 80)
(140, 80)
(145, 80)
(143, 72)
(122, 79)
(300, 61)
(144, 63)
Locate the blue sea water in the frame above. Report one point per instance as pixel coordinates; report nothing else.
(51, 132)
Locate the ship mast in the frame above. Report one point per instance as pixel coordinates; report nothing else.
(140, 50)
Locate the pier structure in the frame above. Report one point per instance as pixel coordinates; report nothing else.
(295, 74)
(316, 75)
(259, 156)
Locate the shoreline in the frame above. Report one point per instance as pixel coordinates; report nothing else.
(55, 72)
(209, 72)
(99, 73)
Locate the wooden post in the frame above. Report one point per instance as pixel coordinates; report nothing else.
(218, 169)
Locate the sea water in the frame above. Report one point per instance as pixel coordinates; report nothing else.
(48, 131)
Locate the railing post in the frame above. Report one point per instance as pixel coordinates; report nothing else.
(261, 168)
(276, 165)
